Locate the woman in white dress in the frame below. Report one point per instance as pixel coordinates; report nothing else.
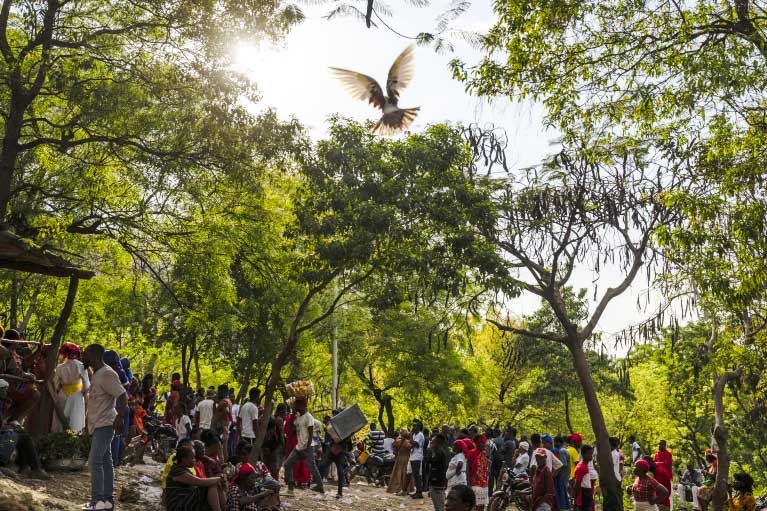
(72, 383)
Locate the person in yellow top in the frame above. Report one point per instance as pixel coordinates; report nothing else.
(743, 496)
(172, 460)
(573, 443)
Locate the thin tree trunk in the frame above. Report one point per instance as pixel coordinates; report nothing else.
(14, 319)
(380, 415)
(568, 420)
(719, 441)
(184, 367)
(197, 374)
(44, 413)
(611, 490)
(30, 311)
(389, 414)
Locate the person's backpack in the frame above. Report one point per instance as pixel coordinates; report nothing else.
(8, 441)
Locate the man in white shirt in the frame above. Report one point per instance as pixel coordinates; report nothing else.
(617, 458)
(523, 459)
(105, 397)
(205, 410)
(416, 458)
(247, 418)
(304, 424)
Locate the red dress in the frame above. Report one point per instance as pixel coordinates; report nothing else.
(301, 472)
(663, 476)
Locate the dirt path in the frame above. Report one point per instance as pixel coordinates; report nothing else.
(69, 491)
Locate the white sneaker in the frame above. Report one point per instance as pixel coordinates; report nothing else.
(103, 504)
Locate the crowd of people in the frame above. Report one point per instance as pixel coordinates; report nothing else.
(214, 466)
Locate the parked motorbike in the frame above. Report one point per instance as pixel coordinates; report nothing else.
(514, 493)
(159, 440)
(375, 469)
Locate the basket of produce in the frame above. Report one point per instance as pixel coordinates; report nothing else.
(300, 388)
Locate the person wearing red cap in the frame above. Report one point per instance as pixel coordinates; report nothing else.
(71, 382)
(645, 490)
(479, 472)
(574, 454)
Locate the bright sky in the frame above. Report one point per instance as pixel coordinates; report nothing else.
(295, 80)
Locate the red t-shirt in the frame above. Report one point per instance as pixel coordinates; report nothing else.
(581, 472)
(664, 457)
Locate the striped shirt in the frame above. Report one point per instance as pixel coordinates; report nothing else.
(376, 442)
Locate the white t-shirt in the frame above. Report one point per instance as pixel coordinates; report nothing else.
(235, 412)
(551, 461)
(617, 464)
(248, 413)
(389, 445)
(416, 453)
(303, 424)
(636, 450)
(181, 426)
(523, 461)
(205, 410)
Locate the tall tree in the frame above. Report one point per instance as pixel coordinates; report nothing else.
(584, 210)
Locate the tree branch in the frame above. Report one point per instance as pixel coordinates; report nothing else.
(522, 331)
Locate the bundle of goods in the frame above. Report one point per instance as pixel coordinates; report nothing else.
(302, 388)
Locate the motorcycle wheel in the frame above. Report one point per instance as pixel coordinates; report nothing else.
(498, 503)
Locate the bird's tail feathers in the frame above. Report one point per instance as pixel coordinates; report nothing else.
(396, 121)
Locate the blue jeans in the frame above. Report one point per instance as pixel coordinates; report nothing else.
(100, 461)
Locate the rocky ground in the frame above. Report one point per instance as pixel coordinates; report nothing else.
(138, 489)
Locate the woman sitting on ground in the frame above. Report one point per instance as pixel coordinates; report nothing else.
(253, 489)
(647, 492)
(186, 492)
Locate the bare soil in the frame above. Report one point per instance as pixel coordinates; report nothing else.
(141, 485)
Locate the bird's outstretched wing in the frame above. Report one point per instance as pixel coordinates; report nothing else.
(361, 86)
(401, 73)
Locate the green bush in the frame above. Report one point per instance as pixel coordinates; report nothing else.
(63, 445)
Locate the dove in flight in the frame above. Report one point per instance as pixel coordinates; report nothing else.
(365, 88)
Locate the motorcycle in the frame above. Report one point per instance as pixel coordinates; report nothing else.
(514, 493)
(375, 469)
(159, 439)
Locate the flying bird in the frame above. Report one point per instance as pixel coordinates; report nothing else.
(365, 88)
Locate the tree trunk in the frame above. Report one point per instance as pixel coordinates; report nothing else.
(389, 414)
(271, 386)
(184, 367)
(612, 494)
(30, 311)
(14, 319)
(44, 413)
(568, 420)
(197, 375)
(719, 441)
(10, 148)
